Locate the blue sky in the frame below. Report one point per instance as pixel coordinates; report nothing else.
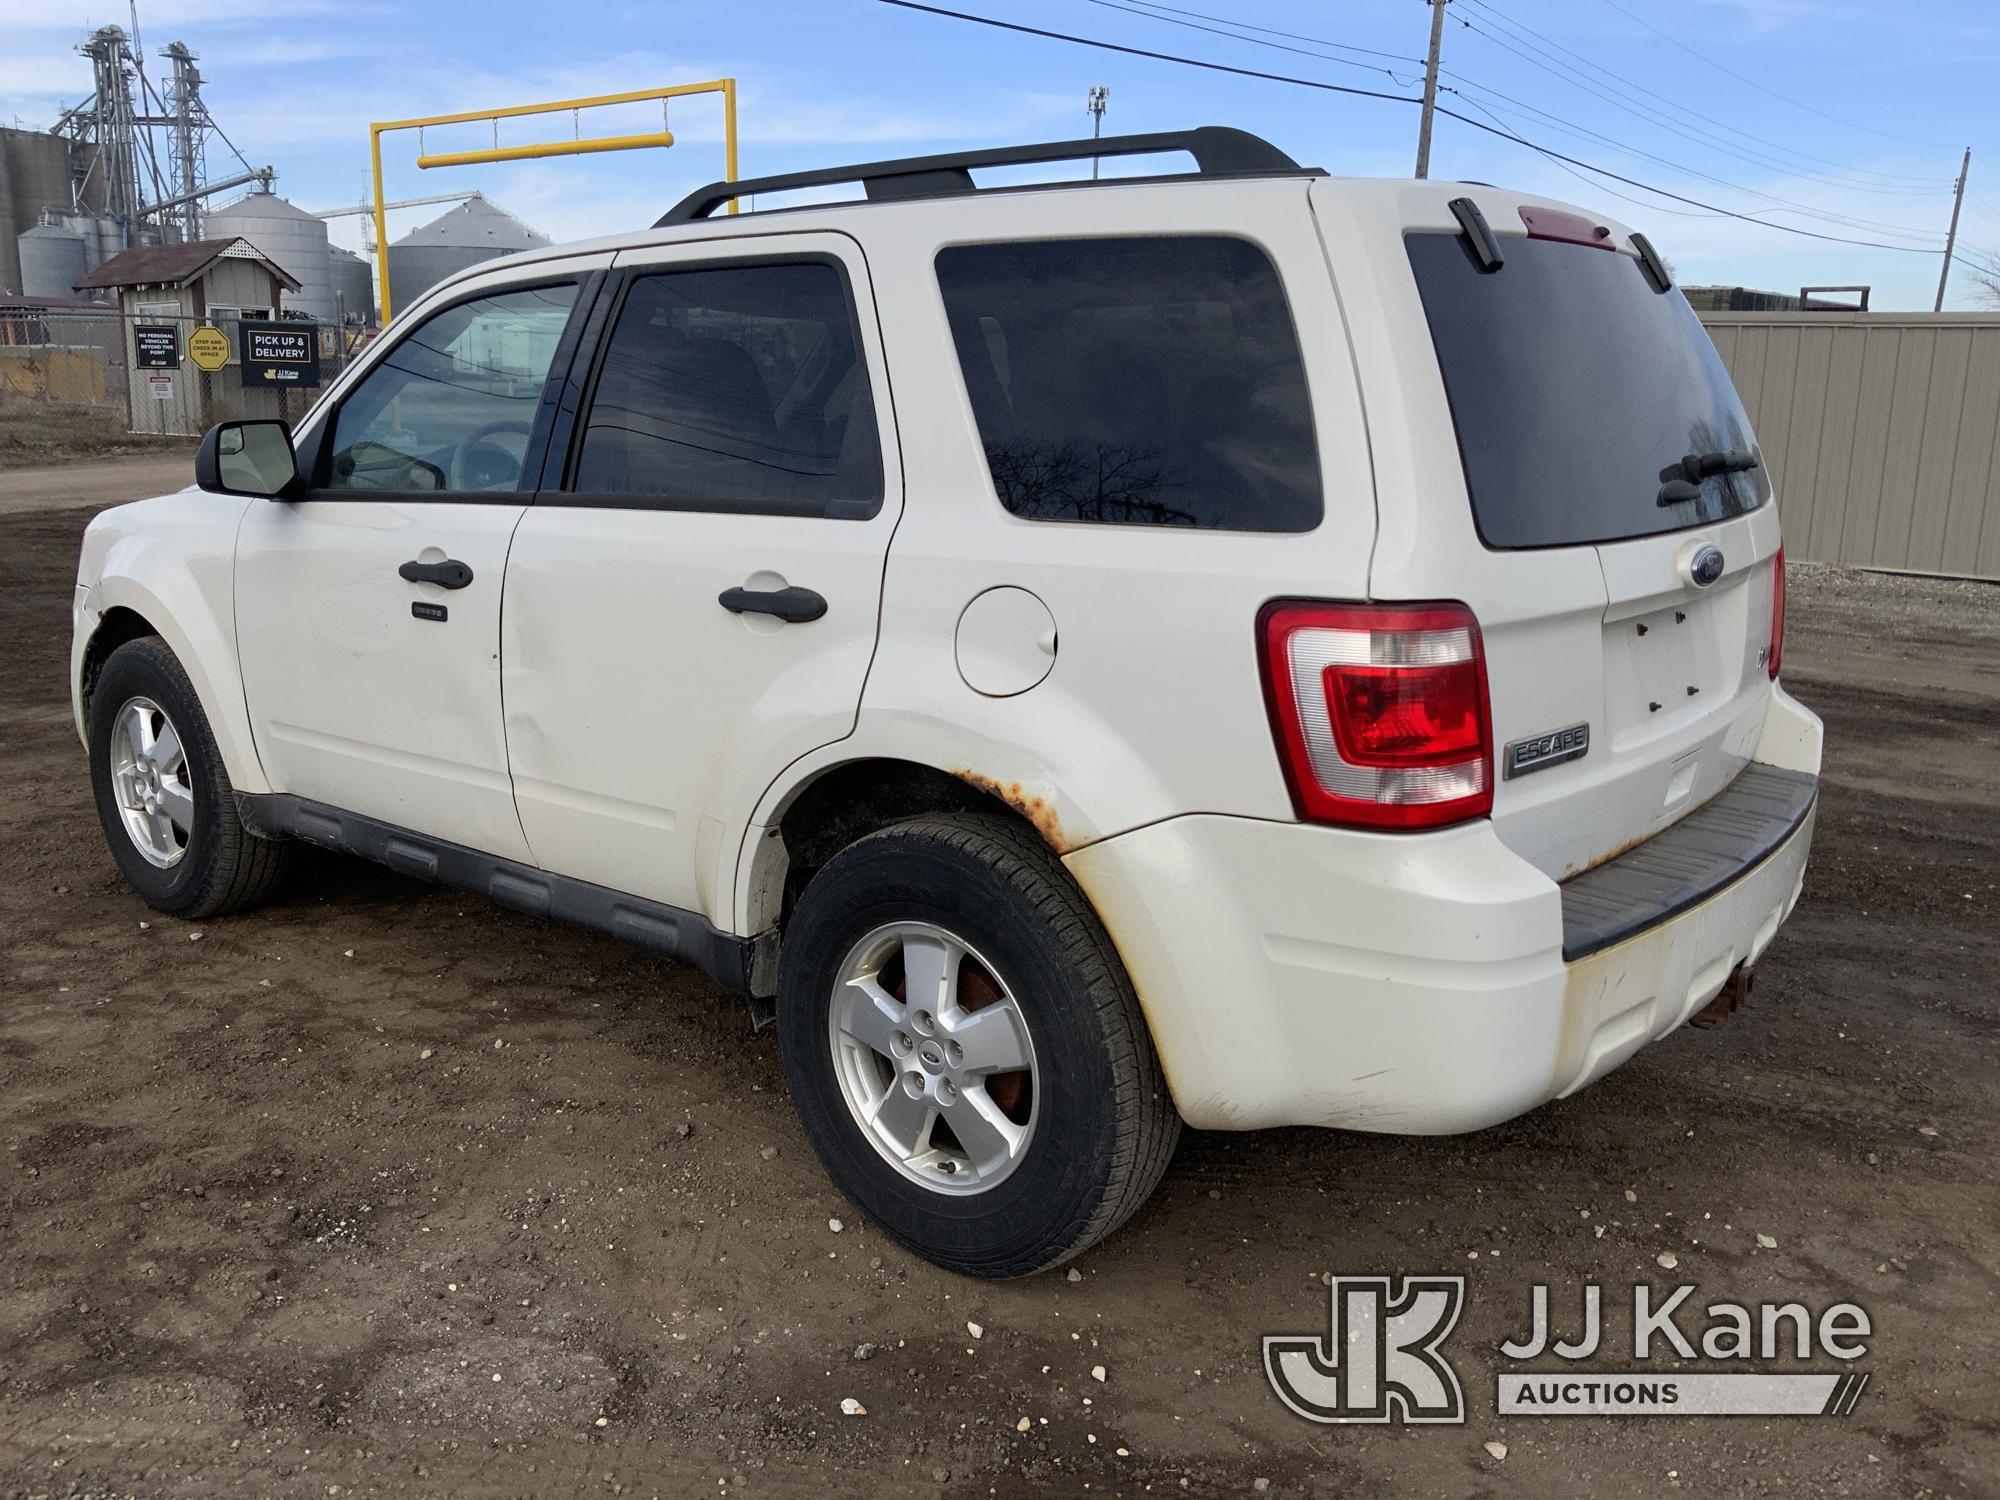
(1845, 117)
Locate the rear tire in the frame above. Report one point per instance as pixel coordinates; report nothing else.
(1043, 1160)
(168, 810)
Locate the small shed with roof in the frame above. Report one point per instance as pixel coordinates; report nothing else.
(182, 286)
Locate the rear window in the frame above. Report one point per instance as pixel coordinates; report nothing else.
(1136, 382)
(1577, 390)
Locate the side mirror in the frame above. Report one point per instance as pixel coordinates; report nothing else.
(249, 458)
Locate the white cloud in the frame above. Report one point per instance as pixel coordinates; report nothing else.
(160, 16)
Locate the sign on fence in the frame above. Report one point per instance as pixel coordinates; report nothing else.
(157, 345)
(160, 387)
(280, 353)
(208, 347)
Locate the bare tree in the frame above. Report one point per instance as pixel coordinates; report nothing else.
(1987, 282)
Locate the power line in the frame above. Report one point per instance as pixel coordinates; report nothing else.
(1272, 31)
(1979, 206)
(1847, 175)
(1980, 258)
(1767, 89)
(1499, 117)
(1811, 234)
(1084, 41)
(1578, 81)
(1318, 41)
(1345, 62)
(1337, 88)
(1930, 237)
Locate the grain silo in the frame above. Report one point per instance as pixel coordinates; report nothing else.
(103, 236)
(288, 235)
(353, 288)
(34, 178)
(475, 230)
(52, 261)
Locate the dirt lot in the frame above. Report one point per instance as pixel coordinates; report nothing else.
(385, 1190)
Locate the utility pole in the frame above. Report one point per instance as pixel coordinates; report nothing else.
(1430, 88)
(1951, 235)
(1100, 96)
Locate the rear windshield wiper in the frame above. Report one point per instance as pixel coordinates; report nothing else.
(1682, 481)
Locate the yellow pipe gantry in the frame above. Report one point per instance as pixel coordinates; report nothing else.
(578, 147)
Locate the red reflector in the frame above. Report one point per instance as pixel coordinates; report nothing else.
(1574, 229)
(1777, 650)
(1380, 712)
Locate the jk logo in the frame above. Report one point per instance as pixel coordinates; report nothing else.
(1380, 1360)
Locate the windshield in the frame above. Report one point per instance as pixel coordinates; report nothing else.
(1580, 395)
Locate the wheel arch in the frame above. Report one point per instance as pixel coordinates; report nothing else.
(114, 628)
(834, 805)
(204, 644)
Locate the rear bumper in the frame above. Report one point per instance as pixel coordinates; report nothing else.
(1296, 975)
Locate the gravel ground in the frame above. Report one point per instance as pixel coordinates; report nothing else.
(52, 486)
(383, 1190)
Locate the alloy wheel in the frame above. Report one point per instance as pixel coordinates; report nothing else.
(934, 1057)
(149, 778)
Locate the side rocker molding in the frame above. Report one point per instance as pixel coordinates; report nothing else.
(735, 963)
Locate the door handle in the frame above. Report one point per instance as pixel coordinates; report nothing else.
(794, 604)
(449, 574)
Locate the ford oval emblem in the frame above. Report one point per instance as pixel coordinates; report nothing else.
(1706, 566)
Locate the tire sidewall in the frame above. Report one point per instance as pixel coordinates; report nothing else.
(143, 669)
(1066, 1172)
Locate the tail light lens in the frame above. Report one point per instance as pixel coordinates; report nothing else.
(1777, 650)
(1380, 712)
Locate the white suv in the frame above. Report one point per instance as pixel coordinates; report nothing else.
(1246, 648)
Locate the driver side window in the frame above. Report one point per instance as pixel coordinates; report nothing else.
(452, 405)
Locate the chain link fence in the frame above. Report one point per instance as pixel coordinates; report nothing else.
(131, 372)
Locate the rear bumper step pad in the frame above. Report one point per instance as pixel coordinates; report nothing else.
(1684, 865)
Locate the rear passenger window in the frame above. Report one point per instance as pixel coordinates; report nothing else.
(737, 388)
(1136, 382)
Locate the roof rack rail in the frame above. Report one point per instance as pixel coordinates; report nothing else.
(1218, 151)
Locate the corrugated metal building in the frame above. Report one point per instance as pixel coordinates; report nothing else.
(1882, 432)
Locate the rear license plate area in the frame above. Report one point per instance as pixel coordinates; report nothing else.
(1659, 667)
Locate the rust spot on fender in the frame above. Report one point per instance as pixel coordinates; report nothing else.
(1037, 810)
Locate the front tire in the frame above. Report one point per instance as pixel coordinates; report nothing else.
(965, 1050)
(168, 810)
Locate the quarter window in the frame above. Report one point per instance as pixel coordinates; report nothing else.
(452, 406)
(1136, 382)
(735, 388)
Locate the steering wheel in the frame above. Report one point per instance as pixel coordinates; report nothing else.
(461, 456)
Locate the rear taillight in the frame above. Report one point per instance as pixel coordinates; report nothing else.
(1777, 650)
(1380, 712)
